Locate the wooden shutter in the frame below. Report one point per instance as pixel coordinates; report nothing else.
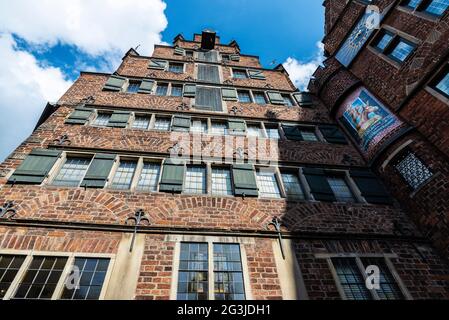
(234, 57)
(244, 177)
(119, 119)
(180, 51)
(371, 188)
(98, 172)
(256, 74)
(79, 116)
(146, 86)
(229, 94)
(172, 176)
(275, 97)
(208, 99)
(115, 83)
(189, 90)
(292, 132)
(319, 185)
(303, 98)
(237, 127)
(158, 64)
(181, 123)
(333, 134)
(208, 73)
(36, 166)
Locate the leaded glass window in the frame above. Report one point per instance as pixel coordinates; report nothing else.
(9, 267)
(244, 96)
(292, 186)
(340, 188)
(259, 98)
(219, 128)
(162, 89)
(273, 133)
(413, 170)
(268, 185)
(176, 67)
(162, 124)
(102, 119)
(176, 90)
(221, 182)
(443, 84)
(384, 41)
(351, 279)
(72, 172)
(437, 7)
(254, 130)
(149, 177)
(199, 126)
(41, 278)
(308, 135)
(228, 272)
(239, 74)
(124, 175)
(195, 180)
(389, 289)
(141, 122)
(288, 101)
(133, 87)
(402, 50)
(193, 280)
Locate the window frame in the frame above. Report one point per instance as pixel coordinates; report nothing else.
(441, 75)
(392, 45)
(179, 64)
(60, 164)
(242, 70)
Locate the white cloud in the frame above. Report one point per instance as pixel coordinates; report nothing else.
(103, 29)
(301, 71)
(25, 88)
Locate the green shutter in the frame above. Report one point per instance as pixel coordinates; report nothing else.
(172, 177)
(36, 166)
(229, 94)
(79, 116)
(244, 178)
(237, 127)
(98, 172)
(115, 83)
(275, 97)
(234, 57)
(119, 119)
(146, 86)
(158, 64)
(181, 123)
(189, 90)
(292, 133)
(180, 51)
(256, 74)
(319, 185)
(371, 188)
(333, 134)
(303, 98)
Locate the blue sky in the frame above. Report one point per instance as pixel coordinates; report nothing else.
(44, 45)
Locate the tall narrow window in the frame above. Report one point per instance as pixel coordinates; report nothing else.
(176, 90)
(413, 170)
(199, 126)
(162, 89)
(389, 289)
(228, 272)
(162, 124)
(102, 119)
(193, 280)
(195, 180)
(149, 177)
(384, 41)
(72, 172)
(244, 96)
(272, 132)
(351, 279)
(92, 274)
(293, 189)
(9, 267)
(288, 101)
(41, 278)
(254, 130)
(259, 98)
(340, 188)
(124, 175)
(221, 182)
(268, 185)
(141, 122)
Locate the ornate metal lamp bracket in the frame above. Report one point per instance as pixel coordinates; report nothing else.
(64, 139)
(183, 106)
(236, 110)
(138, 218)
(8, 211)
(277, 225)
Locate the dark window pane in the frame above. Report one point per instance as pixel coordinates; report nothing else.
(228, 272)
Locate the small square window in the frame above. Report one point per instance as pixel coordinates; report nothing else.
(176, 67)
(162, 124)
(133, 87)
(272, 132)
(162, 89)
(254, 130)
(225, 57)
(199, 126)
(308, 135)
(239, 74)
(412, 4)
(189, 53)
(402, 51)
(244, 96)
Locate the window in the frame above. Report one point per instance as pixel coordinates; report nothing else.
(41, 278)
(259, 98)
(288, 101)
(195, 180)
(162, 124)
(340, 188)
(124, 175)
(268, 185)
(189, 53)
(253, 130)
(141, 122)
(442, 82)
(9, 267)
(384, 41)
(228, 272)
(149, 177)
(102, 119)
(308, 134)
(175, 67)
(208, 73)
(193, 280)
(219, 128)
(221, 182)
(402, 50)
(272, 132)
(244, 96)
(413, 170)
(199, 126)
(413, 4)
(225, 57)
(176, 90)
(133, 87)
(433, 7)
(208, 98)
(393, 46)
(350, 275)
(92, 275)
(162, 89)
(72, 172)
(292, 186)
(239, 74)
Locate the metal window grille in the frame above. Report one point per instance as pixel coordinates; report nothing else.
(228, 272)
(72, 172)
(413, 170)
(221, 182)
(149, 177)
(124, 175)
(193, 280)
(402, 51)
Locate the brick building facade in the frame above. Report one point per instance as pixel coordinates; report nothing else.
(197, 174)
